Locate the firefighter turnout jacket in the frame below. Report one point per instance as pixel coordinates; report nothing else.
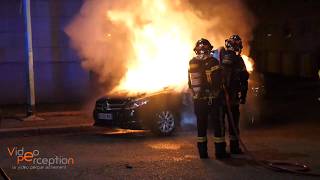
(235, 75)
(204, 77)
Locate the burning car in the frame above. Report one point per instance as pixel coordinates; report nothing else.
(158, 112)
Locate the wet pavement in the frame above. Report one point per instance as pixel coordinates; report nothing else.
(141, 155)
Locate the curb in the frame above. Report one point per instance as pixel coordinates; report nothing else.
(63, 113)
(33, 131)
(47, 114)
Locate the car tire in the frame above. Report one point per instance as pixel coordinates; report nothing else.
(164, 122)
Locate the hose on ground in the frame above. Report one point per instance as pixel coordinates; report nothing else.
(4, 175)
(278, 166)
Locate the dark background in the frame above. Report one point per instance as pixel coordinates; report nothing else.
(286, 38)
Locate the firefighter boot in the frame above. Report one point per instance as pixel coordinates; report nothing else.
(234, 147)
(203, 150)
(221, 150)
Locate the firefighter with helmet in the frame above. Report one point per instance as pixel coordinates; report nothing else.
(235, 83)
(204, 79)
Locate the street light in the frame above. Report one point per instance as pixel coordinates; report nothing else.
(29, 55)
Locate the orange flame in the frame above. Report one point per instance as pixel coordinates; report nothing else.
(248, 62)
(142, 46)
(162, 46)
(162, 36)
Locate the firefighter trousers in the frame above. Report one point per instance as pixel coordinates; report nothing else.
(219, 123)
(202, 110)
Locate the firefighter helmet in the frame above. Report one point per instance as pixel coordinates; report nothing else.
(203, 46)
(234, 43)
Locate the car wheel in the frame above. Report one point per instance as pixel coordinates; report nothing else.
(165, 123)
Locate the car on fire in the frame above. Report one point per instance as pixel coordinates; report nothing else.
(158, 112)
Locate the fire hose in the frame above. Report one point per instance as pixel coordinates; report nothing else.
(279, 166)
(4, 175)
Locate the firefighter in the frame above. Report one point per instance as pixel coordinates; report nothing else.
(204, 77)
(235, 82)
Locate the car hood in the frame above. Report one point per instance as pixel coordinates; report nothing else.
(123, 99)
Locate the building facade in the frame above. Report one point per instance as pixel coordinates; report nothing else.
(286, 38)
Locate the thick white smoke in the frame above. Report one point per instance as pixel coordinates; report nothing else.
(106, 46)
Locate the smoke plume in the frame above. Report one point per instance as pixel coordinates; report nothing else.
(102, 32)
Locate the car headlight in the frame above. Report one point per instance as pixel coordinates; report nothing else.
(138, 103)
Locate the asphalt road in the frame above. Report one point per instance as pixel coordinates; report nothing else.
(140, 155)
